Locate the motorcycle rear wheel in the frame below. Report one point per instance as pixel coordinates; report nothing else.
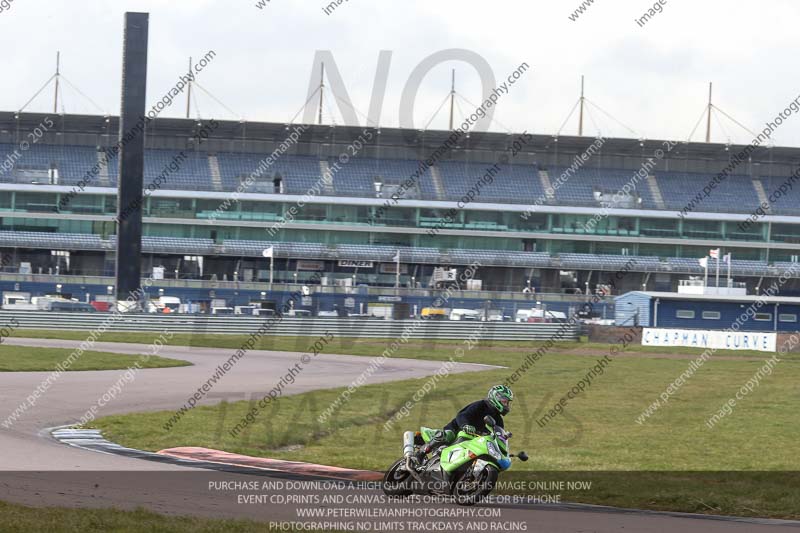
(395, 480)
(468, 491)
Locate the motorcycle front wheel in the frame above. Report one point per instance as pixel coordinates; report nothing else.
(395, 480)
(469, 491)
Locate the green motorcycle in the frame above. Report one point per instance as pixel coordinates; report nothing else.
(467, 470)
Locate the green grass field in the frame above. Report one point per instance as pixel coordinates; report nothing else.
(22, 519)
(596, 433)
(26, 359)
(432, 349)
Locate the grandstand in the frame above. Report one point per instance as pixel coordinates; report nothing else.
(549, 246)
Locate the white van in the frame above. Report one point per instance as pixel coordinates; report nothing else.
(539, 315)
(492, 315)
(160, 304)
(465, 314)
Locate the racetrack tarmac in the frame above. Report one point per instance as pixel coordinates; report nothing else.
(35, 469)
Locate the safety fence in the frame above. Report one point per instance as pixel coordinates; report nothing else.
(290, 327)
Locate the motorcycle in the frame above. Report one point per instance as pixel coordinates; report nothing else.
(467, 470)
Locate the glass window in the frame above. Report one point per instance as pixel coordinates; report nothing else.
(658, 250)
(485, 220)
(533, 222)
(702, 229)
(318, 212)
(659, 227)
(571, 247)
(171, 207)
(785, 233)
(39, 202)
(167, 230)
(711, 315)
(763, 317)
(756, 232)
(252, 210)
(394, 216)
(787, 317)
(684, 313)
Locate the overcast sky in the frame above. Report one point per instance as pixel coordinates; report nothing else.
(653, 79)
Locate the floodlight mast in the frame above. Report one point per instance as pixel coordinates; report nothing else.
(710, 108)
(58, 74)
(580, 117)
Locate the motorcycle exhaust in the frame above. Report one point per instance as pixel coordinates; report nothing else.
(408, 444)
(408, 454)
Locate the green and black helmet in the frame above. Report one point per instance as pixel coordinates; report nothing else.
(500, 397)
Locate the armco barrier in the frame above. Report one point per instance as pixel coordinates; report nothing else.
(306, 327)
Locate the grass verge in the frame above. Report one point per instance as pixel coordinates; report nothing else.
(27, 359)
(596, 435)
(437, 349)
(22, 519)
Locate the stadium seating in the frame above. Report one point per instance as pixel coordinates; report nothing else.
(786, 201)
(578, 188)
(357, 177)
(449, 180)
(609, 262)
(735, 194)
(513, 183)
(172, 245)
(51, 241)
(32, 166)
(298, 173)
(386, 254)
(190, 171)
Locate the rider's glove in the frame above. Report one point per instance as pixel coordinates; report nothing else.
(469, 429)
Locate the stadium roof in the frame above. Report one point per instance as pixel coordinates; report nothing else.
(180, 128)
(749, 298)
